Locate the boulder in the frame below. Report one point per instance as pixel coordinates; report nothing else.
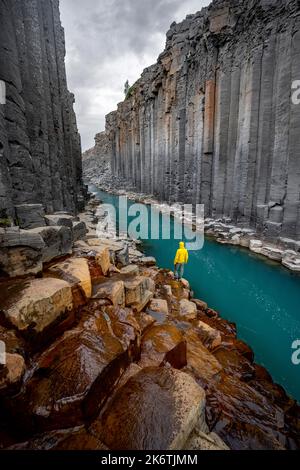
(167, 290)
(111, 290)
(242, 417)
(58, 241)
(210, 337)
(14, 343)
(102, 259)
(59, 220)
(135, 255)
(138, 292)
(200, 362)
(233, 362)
(76, 272)
(100, 253)
(30, 215)
(147, 261)
(185, 284)
(158, 309)
(118, 322)
(122, 257)
(245, 240)
(130, 270)
(291, 260)
(163, 344)
(272, 252)
(70, 381)
(145, 321)
(188, 310)
(159, 305)
(36, 304)
(157, 409)
(113, 246)
(200, 304)
(255, 246)
(235, 240)
(21, 252)
(79, 230)
(12, 372)
(15, 237)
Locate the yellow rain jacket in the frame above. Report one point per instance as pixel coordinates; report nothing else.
(182, 255)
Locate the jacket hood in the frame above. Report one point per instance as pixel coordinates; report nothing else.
(181, 244)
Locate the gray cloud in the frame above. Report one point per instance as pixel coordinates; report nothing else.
(108, 42)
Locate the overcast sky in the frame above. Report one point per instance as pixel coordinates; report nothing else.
(108, 42)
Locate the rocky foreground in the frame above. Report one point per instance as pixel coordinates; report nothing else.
(107, 351)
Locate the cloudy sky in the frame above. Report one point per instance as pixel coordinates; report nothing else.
(108, 42)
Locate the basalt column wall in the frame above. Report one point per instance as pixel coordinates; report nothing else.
(214, 120)
(40, 150)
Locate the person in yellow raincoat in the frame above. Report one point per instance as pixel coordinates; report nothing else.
(181, 258)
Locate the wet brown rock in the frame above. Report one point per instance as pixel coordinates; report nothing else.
(185, 284)
(201, 441)
(158, 309)
(243, 417)
(70, 381)
(117, 322)
(185, 294)
(167, 290)
(102, 258)
(130, 270)
(145, 321)
(36, 304)
(200, 304)
(163, 344)
(163, 408)
(14, 343)
(226, 328)
(211, 313)
(200, 362)
(139, 292)
(187, 310)
(12, 372)
(147, 261)
(76, 272)
(125, 327)
(210, 337)
(21, 252)
(97, 253)
(67, 439)
(241, 347)
(234, 363)
(112, 290)
(130, 372)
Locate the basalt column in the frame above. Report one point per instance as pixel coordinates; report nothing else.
(213, 121)
(39, 142)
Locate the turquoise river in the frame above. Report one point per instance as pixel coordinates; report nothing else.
(261, 297)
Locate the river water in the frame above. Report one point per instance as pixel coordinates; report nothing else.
(261, 297)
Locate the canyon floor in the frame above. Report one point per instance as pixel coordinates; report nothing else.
(107, 351)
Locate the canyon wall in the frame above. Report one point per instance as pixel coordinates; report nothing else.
(100, 153)
(40, 149)
(213, 121)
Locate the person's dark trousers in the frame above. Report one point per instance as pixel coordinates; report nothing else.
(179, 270)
